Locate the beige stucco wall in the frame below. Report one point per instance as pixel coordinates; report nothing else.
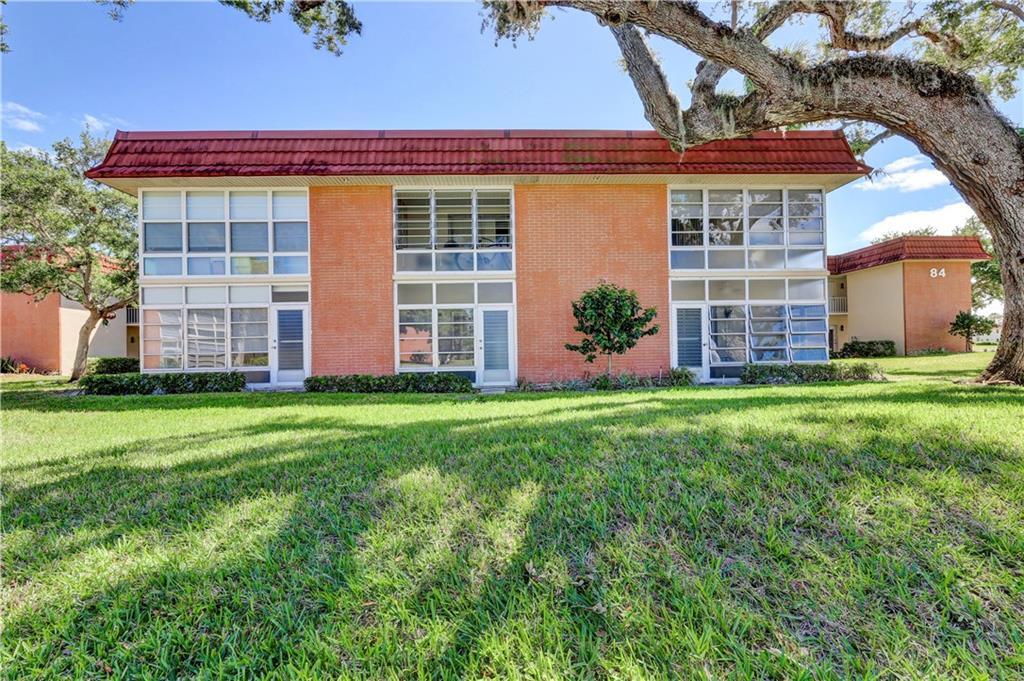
(841, 326)
(875, 300)
(107, 341)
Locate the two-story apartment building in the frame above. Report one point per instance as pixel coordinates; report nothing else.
(285, 254)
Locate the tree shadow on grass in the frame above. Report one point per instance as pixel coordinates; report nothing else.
(640, 534)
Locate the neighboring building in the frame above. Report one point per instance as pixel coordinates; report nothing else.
(44, 334)
(285, 254)
(907, 290)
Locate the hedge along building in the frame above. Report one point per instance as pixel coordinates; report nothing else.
(285, 254)
(907, 290)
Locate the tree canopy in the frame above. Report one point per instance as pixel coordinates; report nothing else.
(64, 234)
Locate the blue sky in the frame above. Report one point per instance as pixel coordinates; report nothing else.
(195, 65)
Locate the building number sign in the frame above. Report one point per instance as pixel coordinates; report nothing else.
(936, 272)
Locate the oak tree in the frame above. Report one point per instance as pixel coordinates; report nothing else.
(65, 235)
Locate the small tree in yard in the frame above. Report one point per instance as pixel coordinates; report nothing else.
(611, 321)
(63, 234)
(968, 325)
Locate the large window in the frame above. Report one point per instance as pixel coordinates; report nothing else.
(214, 233)
(436, 322)
(453, 230)
(755, 229)
(759, 320)
(206, 338)
(161, 339)
(212, 327)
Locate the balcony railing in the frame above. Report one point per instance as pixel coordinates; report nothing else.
(837, 305)
(131, 315)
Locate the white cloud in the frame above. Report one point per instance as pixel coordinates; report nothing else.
(944, 220)
(20, 117)
(23, 124)
(95, 123)
(905, 175)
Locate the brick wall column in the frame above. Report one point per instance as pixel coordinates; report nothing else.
(568, 239)
(351, 268)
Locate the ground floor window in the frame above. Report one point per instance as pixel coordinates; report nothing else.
(722, 324)
(222, 327)
(439, 323)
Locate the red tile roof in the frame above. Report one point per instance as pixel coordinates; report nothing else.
(466, 152)
(908, 248)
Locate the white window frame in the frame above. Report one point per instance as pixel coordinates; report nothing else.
(786, 301)
(227, 254)
(184, 306)
(784, 247)
(476, 306)
(434, 273)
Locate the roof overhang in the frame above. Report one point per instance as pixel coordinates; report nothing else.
(828, 182)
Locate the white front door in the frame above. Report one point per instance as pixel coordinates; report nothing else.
(690, 339)
(495, 348)
(289, 345)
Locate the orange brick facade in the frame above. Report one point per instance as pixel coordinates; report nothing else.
(569, 238)
(30, 331)
(351, 268)
(930, 303)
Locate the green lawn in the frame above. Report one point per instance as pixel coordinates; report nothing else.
(830, 531)
(964, 366)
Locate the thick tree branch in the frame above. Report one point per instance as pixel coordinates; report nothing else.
(661, 107)
(709, 74)
(1016, 10)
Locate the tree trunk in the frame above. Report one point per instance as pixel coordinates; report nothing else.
(84, 339)
(609, 364)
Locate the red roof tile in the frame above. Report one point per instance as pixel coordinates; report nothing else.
(465, 152)
(908, 248)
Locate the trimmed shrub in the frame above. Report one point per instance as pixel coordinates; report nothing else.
(441, 382)
(113, 365)
(928, 352)
(868, 348)
(154, 384)
(779, 374)
(623, 381)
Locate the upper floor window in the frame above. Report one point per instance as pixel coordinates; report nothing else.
(211, 233)
(756, 229)
(453, 230)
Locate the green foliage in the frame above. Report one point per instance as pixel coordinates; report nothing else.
(917, 231)
(928, 352)
(77, 238)
(611, 321)
(773, 374)
(440, 382)
(982, 39)
(330, 22)
(66, 234)
(113, 365)
(623, 381)
(986, 282)
(154, 384)
(10, 365)
(967, 325)
(868, 348)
